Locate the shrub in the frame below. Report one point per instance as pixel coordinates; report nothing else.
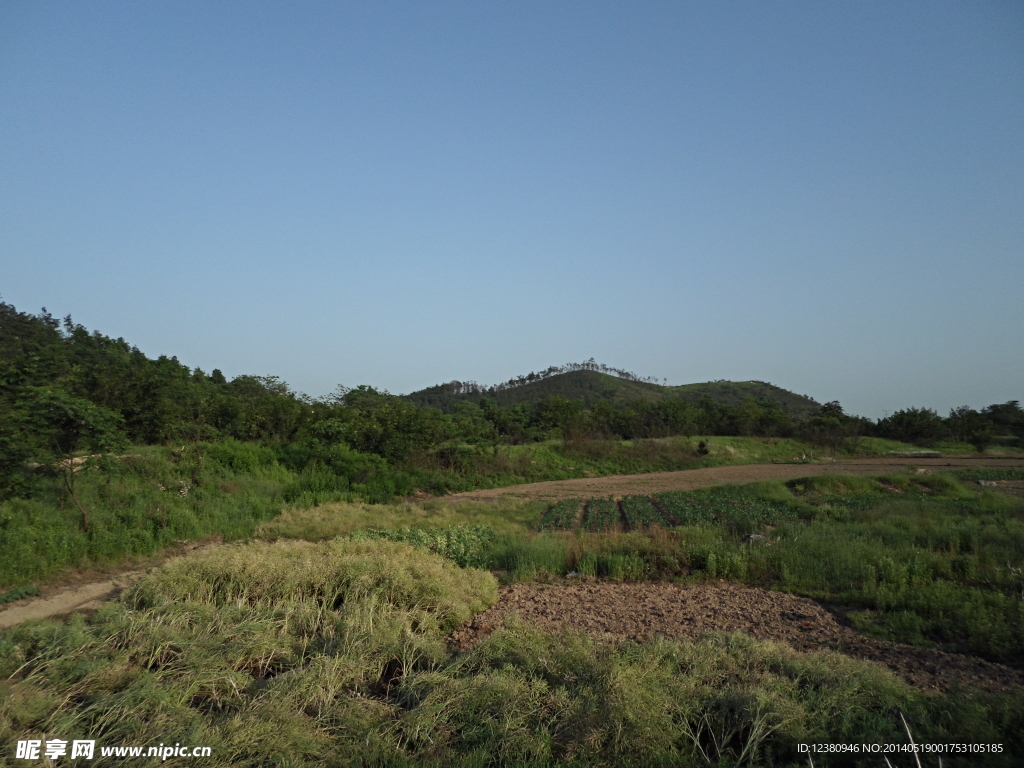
(237, 457)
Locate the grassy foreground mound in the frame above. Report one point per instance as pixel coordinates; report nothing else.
(333, 654)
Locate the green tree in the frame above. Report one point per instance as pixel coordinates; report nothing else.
(831, 427)
(966, 425)
(1006, 418)
(54, 428)
(921, 426)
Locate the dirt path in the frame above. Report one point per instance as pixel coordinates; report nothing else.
(692, 479)
(89, 590)
(67, 599)
(84, 591)
(639, 612)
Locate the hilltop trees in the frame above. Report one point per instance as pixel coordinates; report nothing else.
(381, 423)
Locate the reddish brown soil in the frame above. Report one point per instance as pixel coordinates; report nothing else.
(692, 479)
(638, 612)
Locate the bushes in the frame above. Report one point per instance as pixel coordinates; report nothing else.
(921, 426)
(235, 457)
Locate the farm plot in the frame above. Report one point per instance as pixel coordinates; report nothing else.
(561, 516)
(640, 512)
(740, 515)
(602, 515)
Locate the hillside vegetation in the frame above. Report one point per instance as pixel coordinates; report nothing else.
(592, 386)
(105, 452)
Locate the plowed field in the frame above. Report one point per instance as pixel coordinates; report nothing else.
(618, 612)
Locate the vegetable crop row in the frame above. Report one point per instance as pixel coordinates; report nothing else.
(561, 516)
(602, 514)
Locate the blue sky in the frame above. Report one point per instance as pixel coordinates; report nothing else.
(826, 196)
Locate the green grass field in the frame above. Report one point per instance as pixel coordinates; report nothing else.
(926, 559)
(318, 637)
(158, 496)
(332, 653)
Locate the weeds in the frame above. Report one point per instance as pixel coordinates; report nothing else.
(333, 653)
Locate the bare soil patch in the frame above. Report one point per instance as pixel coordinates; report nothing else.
(637, 612)
(88, 590)
(693, 479)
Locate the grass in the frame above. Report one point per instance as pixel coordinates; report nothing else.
(150, 501)
(159, 496)
(330, 520)
(988, 473)
(921, 559)
(466, 546)
(332, 653)
(17, 594)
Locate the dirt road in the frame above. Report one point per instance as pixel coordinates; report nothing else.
(85, 591)
(692, 479)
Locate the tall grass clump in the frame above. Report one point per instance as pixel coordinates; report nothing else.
(268, 653)
(528, 697)
(466, 546)
(334, 654)
(325, 575)
(525, 559)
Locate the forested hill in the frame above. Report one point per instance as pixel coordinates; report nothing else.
(590, 386)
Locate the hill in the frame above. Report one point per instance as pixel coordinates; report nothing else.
(734, 392)
(591, 386)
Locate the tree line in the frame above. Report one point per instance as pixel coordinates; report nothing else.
(65, 391)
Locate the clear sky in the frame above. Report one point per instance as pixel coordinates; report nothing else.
(826, 196)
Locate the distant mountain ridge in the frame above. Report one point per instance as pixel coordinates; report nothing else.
(590, 382)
